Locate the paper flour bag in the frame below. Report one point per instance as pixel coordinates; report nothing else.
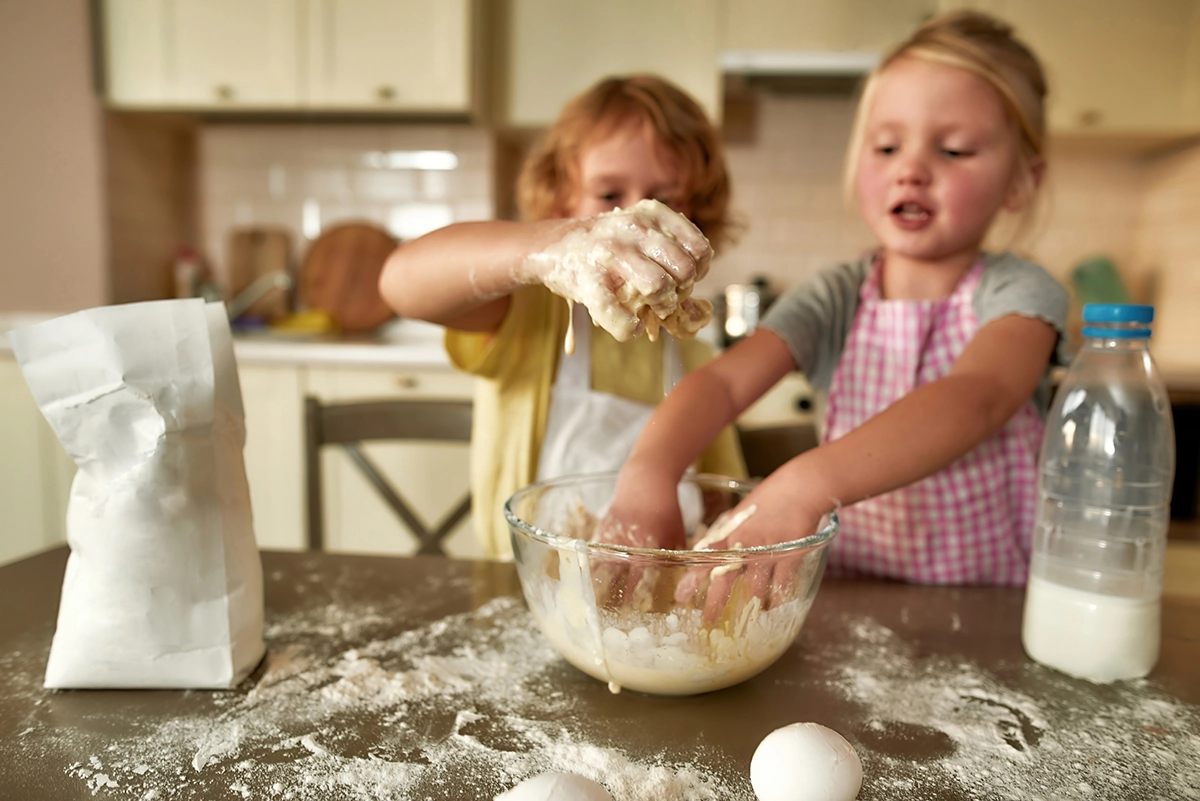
(163, 587)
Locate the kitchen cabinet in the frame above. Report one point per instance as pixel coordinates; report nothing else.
(1114, 66)
(278, 55)
(558, 48)
(432, 477)
(35, 472)
(223, 54)
(273, 399)
(820, 25)
(384, 54)
(791, 401)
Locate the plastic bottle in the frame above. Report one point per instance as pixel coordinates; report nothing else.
(1092, 606)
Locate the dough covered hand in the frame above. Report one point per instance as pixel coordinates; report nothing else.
(633, 269)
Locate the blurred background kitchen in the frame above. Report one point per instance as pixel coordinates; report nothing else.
(271, 152)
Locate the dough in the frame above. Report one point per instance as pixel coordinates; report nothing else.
(805, 762)
(556, 787)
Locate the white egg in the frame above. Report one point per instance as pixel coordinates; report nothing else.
(556, 787)
(805, 762)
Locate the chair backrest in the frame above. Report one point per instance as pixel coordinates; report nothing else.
(768, 448)
(348, 425)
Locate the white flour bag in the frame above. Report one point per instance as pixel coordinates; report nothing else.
(163, 587)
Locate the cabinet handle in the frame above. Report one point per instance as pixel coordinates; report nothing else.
(224, 91)
(386, 93)
(803, 403)
(407, 382)
(1089, 118)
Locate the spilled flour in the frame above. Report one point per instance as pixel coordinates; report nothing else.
(404, 717)
(351, 706)
(975, 738)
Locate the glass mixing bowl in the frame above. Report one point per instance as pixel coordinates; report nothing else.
(619, 613)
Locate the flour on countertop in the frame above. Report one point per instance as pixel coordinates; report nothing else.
(982, 740)
(400, 717)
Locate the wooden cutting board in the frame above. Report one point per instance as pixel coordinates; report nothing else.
(340, 275)
(252, 253)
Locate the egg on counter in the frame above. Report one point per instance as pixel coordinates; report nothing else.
(556, 787)
(805, 762)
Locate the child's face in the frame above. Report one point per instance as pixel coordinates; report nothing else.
(624, 167)
(939, 160)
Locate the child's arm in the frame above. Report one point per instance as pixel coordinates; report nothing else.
(616, 264)
(682, 426)
(916, 436)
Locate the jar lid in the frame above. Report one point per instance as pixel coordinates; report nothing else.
(1117, 313)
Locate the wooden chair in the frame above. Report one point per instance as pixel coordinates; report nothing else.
(768, 448)
(351, 424)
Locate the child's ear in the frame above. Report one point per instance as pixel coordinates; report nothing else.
(1025, 183)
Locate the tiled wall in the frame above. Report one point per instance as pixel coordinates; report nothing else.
(306, 177)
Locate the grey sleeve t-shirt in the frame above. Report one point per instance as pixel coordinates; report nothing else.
(815, 317)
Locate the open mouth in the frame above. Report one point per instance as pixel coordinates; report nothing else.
(911, 212)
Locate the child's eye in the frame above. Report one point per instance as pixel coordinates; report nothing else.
(609, 197)
(885, 150)
(955, 153)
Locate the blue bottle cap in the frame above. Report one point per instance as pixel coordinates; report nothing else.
(1117, 313)
(1121, 320)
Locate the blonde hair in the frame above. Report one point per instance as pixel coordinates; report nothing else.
(549, 181)
(985, 47)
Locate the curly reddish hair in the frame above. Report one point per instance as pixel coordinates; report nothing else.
(550, 182)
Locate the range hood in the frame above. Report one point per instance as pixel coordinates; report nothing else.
(798, 71)
(814, 63)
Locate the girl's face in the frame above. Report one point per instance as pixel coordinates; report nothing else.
(939, 160)
(624, 167)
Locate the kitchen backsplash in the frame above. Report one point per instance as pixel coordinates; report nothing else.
(410, 179)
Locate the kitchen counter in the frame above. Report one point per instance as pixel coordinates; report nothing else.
(406, 344)
(426, 678)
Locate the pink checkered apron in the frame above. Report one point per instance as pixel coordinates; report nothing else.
(971, 522)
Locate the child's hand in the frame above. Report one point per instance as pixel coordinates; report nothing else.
(773, 513)
(632, 268)
(644, 513)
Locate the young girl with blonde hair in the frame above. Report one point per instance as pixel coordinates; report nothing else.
(499, 288)
(931, 355)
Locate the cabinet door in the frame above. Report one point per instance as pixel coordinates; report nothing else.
(558, 48)
(1113, 65)
(202, 53)
(432, 477)
(390, 54)
(821, 24)
(273, 398)
(35, 473)
(235, 53)
(135, 51)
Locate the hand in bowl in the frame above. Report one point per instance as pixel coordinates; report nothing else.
(769, 515)
(645, 513)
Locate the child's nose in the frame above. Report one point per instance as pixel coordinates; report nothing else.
(912, 169)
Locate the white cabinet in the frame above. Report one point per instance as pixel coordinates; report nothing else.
(558, 48)
(820, 25)
(384, 54)
(359, 55)
(35, 472)
(432, 477)
(1113, 65)
(273, 400)
(202, 53)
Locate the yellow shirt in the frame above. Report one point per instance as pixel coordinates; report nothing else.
(518, 363)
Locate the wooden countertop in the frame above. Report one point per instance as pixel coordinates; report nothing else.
(426, 678)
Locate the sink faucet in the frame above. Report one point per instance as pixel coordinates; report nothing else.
(243, 300)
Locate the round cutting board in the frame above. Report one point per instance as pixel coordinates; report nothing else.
(340, 275)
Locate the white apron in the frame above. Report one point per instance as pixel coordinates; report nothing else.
(589, 431)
